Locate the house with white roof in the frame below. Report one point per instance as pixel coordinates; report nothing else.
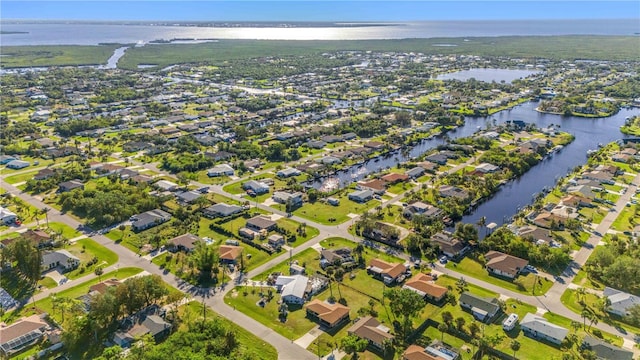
(6, 216)
(220, 170)
(292, 288)
(539, 328)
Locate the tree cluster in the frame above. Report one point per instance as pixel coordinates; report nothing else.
(108, 203)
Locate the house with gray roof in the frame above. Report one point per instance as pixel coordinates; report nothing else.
(59, 259)
(361, 196)
(604, 350)
(483, 309)
(221, 210)
(540, 328)
(149, 219)
(188, 197)
(220, 170)
(621, 301)
(415, 172)
(150, 324)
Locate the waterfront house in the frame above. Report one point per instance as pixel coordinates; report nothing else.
(361, 196)
(504, 264)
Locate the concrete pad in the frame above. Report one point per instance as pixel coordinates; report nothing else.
(628, 344)
(504, 297)
(269, 202)
(541, 311)
(305, 340)
(352, 215)
(317, 247)
(56, 276)
(276, 217)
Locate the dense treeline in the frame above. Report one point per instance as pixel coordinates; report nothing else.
(105, 310)
(617, 264)
(109, 203)
(626, 89)
(516, 163)
(71, 127)
(11, 133)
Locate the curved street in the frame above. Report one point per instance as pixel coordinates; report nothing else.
(286, 348)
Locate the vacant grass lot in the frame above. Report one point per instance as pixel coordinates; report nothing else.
(523, 284)
(18, 178)
(321, 211)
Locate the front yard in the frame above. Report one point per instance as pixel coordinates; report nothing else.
(525, 284)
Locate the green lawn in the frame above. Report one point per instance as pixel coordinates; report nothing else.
(583, 279)
(530, 348)
(321, 212)
(65, 230)
(624, 220)
(447, 281)
(566, 323)
(522, 284)
(570, 300)
(85, 250)
(14, 179)
(47, 282)
(296, 325)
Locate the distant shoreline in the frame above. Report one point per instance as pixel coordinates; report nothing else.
(216, 24)
(13, 32)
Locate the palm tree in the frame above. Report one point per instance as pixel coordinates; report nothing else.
(515, 346)
(45, 210)
(482, 223)
(585, 314)
(443, 328)
(580, 294)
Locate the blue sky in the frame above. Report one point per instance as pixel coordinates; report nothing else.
(318, 10)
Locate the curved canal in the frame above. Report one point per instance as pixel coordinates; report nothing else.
(519, 192)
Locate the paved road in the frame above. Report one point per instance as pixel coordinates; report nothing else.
(285, 347)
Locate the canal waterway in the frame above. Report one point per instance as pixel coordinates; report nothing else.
(519, 192)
